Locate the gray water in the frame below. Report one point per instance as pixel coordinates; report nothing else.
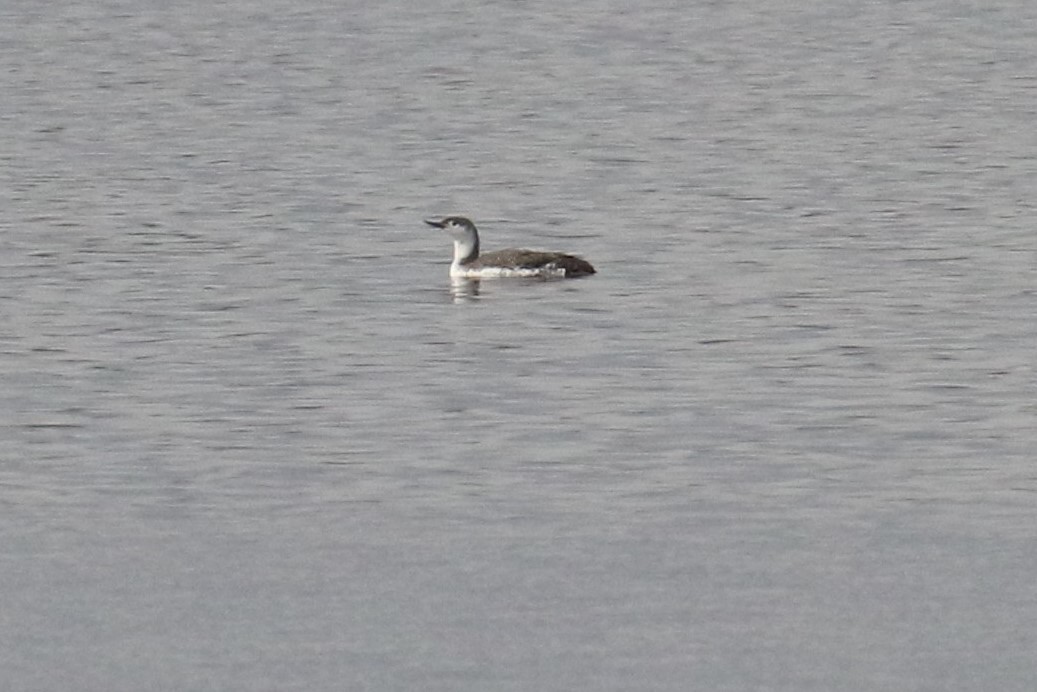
(252, 439)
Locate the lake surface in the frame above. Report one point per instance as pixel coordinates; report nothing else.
(251, 438)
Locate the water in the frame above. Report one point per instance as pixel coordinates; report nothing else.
(251, 439)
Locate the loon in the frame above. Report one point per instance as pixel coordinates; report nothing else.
(469, 264)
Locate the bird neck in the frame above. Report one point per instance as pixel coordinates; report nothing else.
(466, 250)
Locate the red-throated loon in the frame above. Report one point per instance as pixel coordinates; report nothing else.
(469, 264)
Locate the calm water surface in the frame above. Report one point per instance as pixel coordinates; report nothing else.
(251, 439)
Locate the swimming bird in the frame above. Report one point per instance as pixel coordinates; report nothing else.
(468, 263)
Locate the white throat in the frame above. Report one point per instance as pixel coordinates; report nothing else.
(466, 245)
(462, 250)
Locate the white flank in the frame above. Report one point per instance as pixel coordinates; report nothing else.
(459, 271)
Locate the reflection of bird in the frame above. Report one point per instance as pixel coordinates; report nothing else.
(468, 263)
